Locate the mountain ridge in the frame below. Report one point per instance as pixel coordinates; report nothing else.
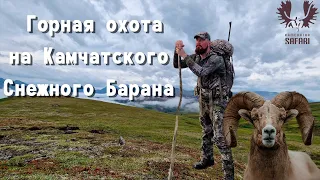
(186, 94)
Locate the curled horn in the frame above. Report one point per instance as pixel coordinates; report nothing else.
(242, 100)
(294, 100)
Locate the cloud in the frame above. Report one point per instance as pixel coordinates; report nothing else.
(262, 60)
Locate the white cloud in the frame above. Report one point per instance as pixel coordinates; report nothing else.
(262, 60)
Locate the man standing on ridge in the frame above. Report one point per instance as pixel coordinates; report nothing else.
(212, 88)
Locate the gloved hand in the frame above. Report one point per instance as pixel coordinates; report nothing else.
(179, 49)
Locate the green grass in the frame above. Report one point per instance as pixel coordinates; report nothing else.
(49, 153)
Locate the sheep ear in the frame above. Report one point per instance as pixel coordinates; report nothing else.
(245, 114)
(292, 113)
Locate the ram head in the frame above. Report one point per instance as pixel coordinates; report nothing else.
(268, 117)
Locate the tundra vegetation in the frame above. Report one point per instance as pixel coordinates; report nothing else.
(54, 138)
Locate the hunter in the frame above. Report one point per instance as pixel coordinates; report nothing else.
(210, 69)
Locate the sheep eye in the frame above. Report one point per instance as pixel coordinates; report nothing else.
(258, 116)
(255, 117)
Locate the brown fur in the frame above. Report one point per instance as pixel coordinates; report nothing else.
(266, 163)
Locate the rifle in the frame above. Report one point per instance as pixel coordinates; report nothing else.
(230, 93)
(229, 30)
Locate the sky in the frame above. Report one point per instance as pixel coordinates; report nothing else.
(262, 60)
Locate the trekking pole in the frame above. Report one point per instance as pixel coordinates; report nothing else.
(176, 126)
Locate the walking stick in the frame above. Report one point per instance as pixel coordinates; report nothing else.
(176, 126)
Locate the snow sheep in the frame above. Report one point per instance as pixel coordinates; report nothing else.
(269, 156)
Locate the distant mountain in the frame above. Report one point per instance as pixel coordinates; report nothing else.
(265, 94)
(164, 104)
(104, 90)
(269, 95)
(1, 83)
(190, 94)
(15, 81)
(101, 91)
(187, 94)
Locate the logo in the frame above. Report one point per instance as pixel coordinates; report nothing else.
(308, 18)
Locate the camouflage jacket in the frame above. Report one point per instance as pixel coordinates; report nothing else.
(210, 69)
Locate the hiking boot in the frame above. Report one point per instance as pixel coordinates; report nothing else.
(204, 163)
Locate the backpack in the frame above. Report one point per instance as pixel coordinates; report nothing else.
(225, 49)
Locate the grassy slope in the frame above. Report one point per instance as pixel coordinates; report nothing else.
(50, 153)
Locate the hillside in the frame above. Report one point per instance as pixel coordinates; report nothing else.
(75, 138)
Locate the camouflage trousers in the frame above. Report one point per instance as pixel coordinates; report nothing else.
(212, 108)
